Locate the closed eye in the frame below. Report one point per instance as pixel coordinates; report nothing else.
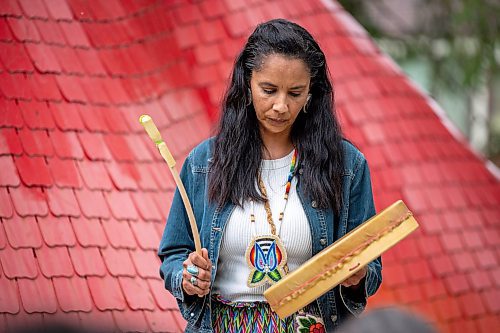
(270, 92)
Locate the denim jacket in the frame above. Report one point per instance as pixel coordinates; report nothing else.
(177, 241)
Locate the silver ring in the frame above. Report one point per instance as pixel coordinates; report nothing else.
(193, 280)
(193, 270)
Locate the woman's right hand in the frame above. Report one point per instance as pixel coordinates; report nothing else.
(197, 273)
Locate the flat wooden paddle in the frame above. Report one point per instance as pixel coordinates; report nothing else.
(342, 259)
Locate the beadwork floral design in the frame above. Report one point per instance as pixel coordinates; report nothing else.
(266, 256)
(309, 324)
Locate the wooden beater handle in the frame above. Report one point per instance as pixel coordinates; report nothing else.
(150, 127)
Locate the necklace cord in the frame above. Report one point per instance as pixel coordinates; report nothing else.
(267, 206)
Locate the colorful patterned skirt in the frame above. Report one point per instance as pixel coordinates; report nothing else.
(256, 317)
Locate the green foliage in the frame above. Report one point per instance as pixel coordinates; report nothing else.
(459, 37)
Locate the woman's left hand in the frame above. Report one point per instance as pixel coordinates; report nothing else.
(354, 280)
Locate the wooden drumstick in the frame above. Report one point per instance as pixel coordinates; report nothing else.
(148, 124)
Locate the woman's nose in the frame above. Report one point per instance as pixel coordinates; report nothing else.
(280, 105)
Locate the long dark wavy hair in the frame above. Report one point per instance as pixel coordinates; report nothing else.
(317, 136)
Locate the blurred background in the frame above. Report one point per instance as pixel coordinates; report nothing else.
(450, 49)
(84, 193)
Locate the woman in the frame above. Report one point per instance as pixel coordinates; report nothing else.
(275, 186)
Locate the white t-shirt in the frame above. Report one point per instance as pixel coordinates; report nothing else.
(295, 234)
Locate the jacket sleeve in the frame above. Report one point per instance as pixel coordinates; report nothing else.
(361, 208)
(177, 242)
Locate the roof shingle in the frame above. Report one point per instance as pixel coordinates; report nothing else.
(84, 194)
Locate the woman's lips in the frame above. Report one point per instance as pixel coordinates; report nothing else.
(276, 122)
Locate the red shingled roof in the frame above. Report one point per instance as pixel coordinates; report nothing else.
(84, 195)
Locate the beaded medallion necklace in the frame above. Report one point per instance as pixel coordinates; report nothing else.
(266, 255)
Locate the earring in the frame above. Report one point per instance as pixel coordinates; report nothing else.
(249, 101)
(304, 108)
